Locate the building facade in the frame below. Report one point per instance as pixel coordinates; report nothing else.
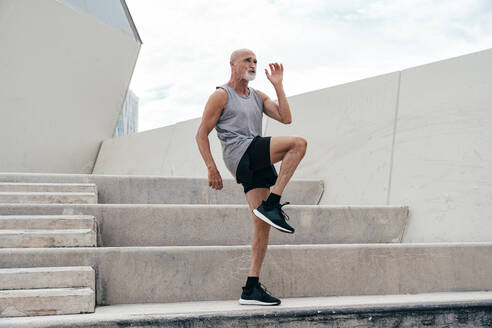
(128, 122)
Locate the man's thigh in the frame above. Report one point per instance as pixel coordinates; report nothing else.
(279, 146)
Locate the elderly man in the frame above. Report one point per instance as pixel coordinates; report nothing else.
(236, 111)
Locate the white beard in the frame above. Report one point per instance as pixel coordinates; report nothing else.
(249, 76)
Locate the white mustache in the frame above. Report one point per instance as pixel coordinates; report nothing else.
(250, 75)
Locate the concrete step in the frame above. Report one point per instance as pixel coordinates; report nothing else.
(34, 238)
(47, 277)
(48, 197)
(199, 273)
(49, 301)
(47, 222)
(48, 187)
(453, 309)
(134, 189)
(199, 225)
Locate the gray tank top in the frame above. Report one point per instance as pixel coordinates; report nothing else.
(238, 124)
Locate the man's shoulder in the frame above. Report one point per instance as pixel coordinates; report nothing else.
(220, 92)
(219, 96)
(220, 89)
(262, 95)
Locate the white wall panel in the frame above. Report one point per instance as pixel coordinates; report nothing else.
(172, 149)
(168, 151)
(142, 153)
(349, 130)
(64, 80)
(443, 150)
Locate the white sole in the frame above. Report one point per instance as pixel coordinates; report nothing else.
(254, 302)
(267, 220)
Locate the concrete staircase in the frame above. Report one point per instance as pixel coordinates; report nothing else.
(40, 290)
(23, 193)
(47, 231)
(46, 290)
(181, 251)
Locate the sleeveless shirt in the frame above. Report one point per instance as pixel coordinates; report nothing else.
(239, 123)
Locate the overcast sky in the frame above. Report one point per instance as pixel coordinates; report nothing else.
(187, 44)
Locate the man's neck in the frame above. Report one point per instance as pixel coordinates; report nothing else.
(240, 86)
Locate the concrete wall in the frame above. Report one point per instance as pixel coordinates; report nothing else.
(167, 151)
(349, 129)
(443, 149)
(420, 137)
(64, 79)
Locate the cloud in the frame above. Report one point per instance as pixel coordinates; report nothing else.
(321, 43)
(157, 93)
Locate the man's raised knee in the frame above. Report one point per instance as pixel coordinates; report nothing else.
(301, 144)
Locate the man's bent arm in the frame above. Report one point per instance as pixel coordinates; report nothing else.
(204, 147)
(280, 111)
(210, 117)
(283, 104)
(272, 109)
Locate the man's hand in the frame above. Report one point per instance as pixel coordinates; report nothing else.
(214, 179)
(277, 73)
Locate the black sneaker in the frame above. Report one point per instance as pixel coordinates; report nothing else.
(274, 216)
(258, 295)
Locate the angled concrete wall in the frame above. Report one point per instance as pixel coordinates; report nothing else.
(166, 151)
(64, 79)
(142, 153)
(420, 137)
(443, 149)
(349, 129)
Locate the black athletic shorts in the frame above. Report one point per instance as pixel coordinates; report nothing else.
(254, 169)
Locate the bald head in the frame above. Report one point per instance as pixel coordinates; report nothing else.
(236, 54)
(243, 65)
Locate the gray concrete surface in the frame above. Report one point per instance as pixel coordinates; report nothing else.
(342, 311)
(349, 130)
(430, 151)
(47, 277)
(192, 273)
(169, 151)
(49, 301)
(48, 197)
(188, 225)
(35, 238)
(131, 154)
(47, 222)
(59, 105)
(128, 189)
(442, 158)
(48, 187)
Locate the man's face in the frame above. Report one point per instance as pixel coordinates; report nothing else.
(246, 65)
